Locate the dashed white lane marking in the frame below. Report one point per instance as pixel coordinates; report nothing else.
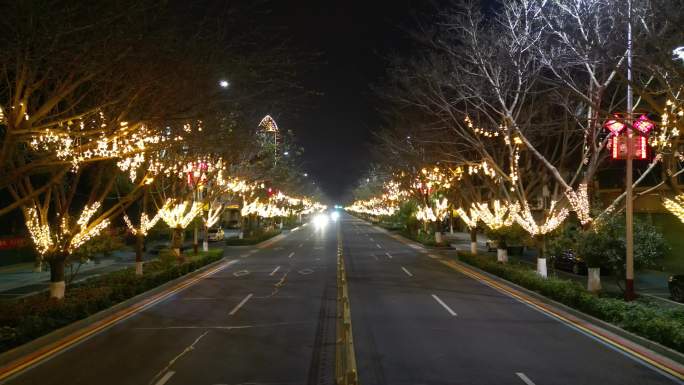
(378, 245)
(241, 273)
(445, 306)
(275, 270)
(407, 272)
(305, 271)
(375, 256)
(415, 247)
(300, 245)
(165, 378)
(433, 256)
(388, 255)
(372, 240)
(291, 255)
(238, 306)
(524, 378)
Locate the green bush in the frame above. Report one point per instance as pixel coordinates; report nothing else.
(644, 318)
(26, 319)
(508, 235)
(253, 240)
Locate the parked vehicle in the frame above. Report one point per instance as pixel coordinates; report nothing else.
(215, 235)
(676, 285)
(567, 260)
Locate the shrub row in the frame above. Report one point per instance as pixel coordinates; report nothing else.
(663, 325)
(252, 240)
(29, 318)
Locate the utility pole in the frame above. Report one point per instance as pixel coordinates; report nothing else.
(629, 208)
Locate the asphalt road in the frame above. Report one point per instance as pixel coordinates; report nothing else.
(269, 318)
(418, 322)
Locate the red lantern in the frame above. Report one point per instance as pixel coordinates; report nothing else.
(643, 124)
(614, 126)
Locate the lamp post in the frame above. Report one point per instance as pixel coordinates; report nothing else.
(629, 215)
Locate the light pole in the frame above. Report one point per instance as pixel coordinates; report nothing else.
(629, 207)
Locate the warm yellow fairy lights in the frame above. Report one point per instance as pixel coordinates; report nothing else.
(179, 215)
(433, 214)
(524, 218)
(145, 223)
(469, 219)
(579, 200)
(480, 131)
(675, 206)
(213, 213)
(66, 239)
(502, 215)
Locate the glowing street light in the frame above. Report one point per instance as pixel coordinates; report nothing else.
(224, 84)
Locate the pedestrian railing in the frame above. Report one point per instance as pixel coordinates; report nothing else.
(345, 366)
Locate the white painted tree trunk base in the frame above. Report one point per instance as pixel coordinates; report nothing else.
(38, 268)
(502, 255)
(138, 268)
(473, 248)
(241, 235)
(438, 237)
(57, 289)
(205, 245)
(594, 279)
(541, 267)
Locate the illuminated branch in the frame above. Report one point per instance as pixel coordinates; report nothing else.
(179, 215)
(675, 206)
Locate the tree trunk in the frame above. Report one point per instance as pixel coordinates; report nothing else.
(205, 241)
(438, 237)
(57, 284)
(502, 255)
(473, 241)
(139, 246)
(594, 279)
(176, 243)
(541, 259)
(195, 240)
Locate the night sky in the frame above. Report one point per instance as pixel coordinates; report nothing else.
(354, 39)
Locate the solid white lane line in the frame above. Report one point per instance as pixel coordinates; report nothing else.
(407, 272)
(388, 255)
(291, 254)
(238, 306)
(275, 270)
(524, 378)
(378, 245)
(439, 300)
(165, 379)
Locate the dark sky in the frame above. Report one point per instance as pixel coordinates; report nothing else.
(355, 38)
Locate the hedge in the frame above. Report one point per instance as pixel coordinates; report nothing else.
(664, 325)
(252, 240)
(28, 318)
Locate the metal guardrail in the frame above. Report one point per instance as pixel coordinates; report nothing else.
(345, 360)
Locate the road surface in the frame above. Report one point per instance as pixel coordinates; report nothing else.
(269, 318)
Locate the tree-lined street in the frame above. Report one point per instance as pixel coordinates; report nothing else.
(267, 316)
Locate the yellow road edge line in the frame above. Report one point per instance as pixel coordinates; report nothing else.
(68, 341)
(523, 298)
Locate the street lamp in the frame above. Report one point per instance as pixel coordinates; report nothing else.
(224, 83)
